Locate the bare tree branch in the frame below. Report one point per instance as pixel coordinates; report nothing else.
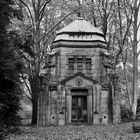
(138, 6)
(131, 40)
(42, 10)
(129, 4)
(23, 78)
(138, 26)
(46, 34)
(99, 10)
(93, 11)
(110, 9)
(120, 33)
(28, 10)
(138, 52)
(27, 96)
(128, 26)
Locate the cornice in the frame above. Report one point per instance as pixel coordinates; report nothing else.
(78, 74)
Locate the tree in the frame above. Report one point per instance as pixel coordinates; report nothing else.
(10, 67)
(135, 5)
(36, 31)
(125, 23)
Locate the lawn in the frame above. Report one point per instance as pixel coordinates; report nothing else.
(77, 132)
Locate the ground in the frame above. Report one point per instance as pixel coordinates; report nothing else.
(77, 132)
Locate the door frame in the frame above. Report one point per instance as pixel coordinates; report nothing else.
(82, 91)
(82, 99)
(70, 91)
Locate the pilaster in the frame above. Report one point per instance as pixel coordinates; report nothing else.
(61, 106)
(89, 105)
(115, 98)
(68, 104)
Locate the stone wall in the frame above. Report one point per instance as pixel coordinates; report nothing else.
(100, 105)
(57, 110)
(43, 109)
(53, 107)
(61, 106)
(96, 60)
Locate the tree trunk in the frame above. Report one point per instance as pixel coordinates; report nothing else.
(127, 88)
(34, 110)
(135, 61)
(135, 84)
(35, 86)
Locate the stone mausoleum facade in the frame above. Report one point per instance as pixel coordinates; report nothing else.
(81, 89)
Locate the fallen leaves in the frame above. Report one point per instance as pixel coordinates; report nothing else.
(77, 132)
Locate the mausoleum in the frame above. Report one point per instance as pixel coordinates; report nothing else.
(81, 89)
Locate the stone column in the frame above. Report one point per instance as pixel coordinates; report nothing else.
(98, 87)
(115, 98)
(61, 105)
(68, 105)
(89, 106)
(94, 99)
(59, 94)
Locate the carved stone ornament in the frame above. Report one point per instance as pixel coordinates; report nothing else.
(79, 81)
(89, 92)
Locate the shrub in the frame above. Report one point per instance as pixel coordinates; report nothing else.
(126, 114)
(138, 105)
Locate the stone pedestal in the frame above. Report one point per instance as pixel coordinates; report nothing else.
(96, 119)
(104, 119)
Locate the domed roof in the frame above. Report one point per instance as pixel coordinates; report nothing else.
(80, 30)
(80, 25)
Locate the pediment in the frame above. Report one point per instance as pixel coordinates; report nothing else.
(78, 80)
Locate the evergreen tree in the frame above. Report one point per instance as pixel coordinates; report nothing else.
(10, 66)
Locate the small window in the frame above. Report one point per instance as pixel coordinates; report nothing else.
(88, 63)
(79, 63)
(71, 63)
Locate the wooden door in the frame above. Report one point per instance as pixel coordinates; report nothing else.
(79, 109)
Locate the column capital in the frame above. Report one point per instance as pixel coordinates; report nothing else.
(90, 87)
(90, 91)
(68, 90)
(68, 87)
